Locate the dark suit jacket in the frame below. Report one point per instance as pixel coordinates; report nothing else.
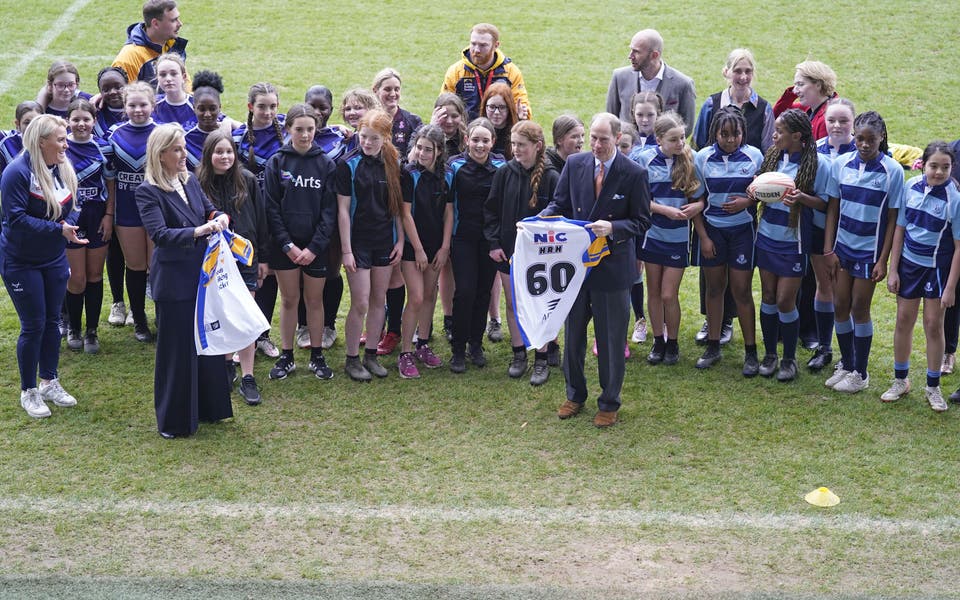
(175, 267)
(624, 201)
(676, 89)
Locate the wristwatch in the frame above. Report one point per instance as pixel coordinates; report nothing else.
(287, 247)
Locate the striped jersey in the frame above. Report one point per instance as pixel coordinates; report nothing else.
(266, 143)
(665, 236)
(774, 233)
(127, 154)
(10, 147)
(725, 175)
(930, 217)
(106, 118)
(824, 147)
(194, 140)
(867, 191)
(90, 162)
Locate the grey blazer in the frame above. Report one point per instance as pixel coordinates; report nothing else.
(676, 89)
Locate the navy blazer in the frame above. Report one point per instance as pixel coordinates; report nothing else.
(169, 221)
(624, 201)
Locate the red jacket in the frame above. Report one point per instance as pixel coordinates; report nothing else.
(789, 100)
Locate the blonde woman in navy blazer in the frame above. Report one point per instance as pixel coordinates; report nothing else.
(178, 218)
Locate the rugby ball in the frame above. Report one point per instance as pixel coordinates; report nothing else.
(771, 186)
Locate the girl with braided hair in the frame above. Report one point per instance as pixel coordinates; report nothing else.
(677, 191)
(520, 189)
(783, 238)
(866, 193)
(257, 141)
(369, 199)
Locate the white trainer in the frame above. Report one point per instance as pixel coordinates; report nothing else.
(329, 337)
(266, 346)
(54, 392)
(852, 383)
(935, 398)
(128, 322)
(302, 337)
(898, 389)
(839, 374)
(118, 314)
(639, 331)
(31, 402)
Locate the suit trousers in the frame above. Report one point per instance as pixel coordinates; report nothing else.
(610, 311)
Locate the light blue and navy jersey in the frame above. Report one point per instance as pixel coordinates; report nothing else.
(10, 147)
(867, 191)
(127, 155)
(194, 139)
(183, 113)
(90, 162)
(643, 143)
(824, 147)
(665, 236)
(106, 118)
(265, 144)
(725, 175)
(930, 217)
(774, 233)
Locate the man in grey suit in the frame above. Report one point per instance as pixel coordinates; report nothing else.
(610, 191)
(648, 72)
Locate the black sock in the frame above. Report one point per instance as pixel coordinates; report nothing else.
(750, 350)
(395, 299)
(332, 294)
(93, 303)
(540, 355)
(370, 352)
(115, 269)
(421, 343)
(672, 345)
(519, 349)
(74, 304)
(137, 290)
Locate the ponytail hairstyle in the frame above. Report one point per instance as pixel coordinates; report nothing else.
(176, 59)
(873, 120)
(111, 69)
(451, 101)
(59, 67)
(207, 82)
(728, 115)
(941, 147)
(796, 121)
(236, 184)
(378, 120)
(298, 110)
(42, 128)
(563, 125)
(683, 175)
(534, 134)
(84, 105)
(23, 109)
(433, 134)
(140, 87)
(256, 90)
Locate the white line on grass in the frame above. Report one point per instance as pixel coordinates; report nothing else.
(506, 515)
(59, 26)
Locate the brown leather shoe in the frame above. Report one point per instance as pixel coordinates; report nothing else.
(569, 409)
(605, 418)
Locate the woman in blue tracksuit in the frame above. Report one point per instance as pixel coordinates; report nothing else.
(39, 217)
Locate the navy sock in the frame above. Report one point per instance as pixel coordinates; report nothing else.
(845, 341)
(901, 370)
(74, 304)
(790, 332)
(823, 313)
(769, 328)
(93, 303)
(933, 378)
(137, 291)
(862, 339)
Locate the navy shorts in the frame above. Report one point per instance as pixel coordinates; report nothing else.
(921, 282)
(368, 258)
(859, 270)
(734, 247)
(410, 256)
(680, 260)
(88, 225)
(280, 262)
(127, 214)
(782, 265)
(249, 275)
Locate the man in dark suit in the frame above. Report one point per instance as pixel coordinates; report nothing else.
(610, 191)
(648, 72)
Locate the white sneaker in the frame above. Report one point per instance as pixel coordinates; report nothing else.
(852, 383)
(839, 374)
(54, 392)
(935, 398)
(899, 389)
(128, 322)
(32, 403)
(118, 314)
(302, 338)
(639, 331)
(265, 345)
(329, 337)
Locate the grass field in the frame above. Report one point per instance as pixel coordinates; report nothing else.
(469, 487)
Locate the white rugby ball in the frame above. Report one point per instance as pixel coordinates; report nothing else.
(771, 186)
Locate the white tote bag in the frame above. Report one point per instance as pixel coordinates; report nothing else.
(227, 317)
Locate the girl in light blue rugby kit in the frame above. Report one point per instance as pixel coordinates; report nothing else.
(783, 238)
(925, 263)
(676, 191)
(866, 193)
(723, 247)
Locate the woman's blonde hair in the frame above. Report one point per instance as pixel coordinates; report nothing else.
(161, 138)
(41, 128)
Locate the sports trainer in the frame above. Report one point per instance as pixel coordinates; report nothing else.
(648, 73)
(606, 188)
(482, 65)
